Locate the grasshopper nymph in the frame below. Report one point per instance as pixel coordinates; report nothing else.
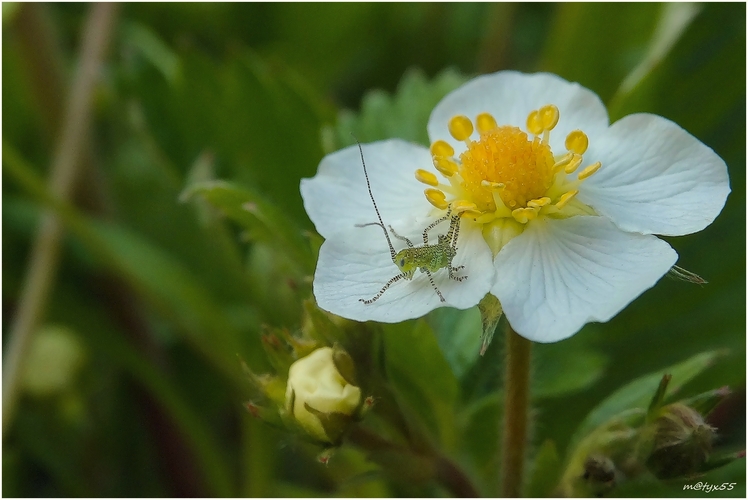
(427, 258)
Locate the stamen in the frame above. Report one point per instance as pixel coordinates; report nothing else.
(565, 198)
(573, 164)
(442, 148)
(436, 198)
(492, 185)
(460, 127)
(524, 215)
(485, 122)
(460, 206)
(562, 162)
(549, 116)
(426, 177)
(577, 142)
(588, 171)
(539, 203)
(445, 166)
(534, 123)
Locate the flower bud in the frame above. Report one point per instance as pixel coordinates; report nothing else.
(320, 399)
(681, 443)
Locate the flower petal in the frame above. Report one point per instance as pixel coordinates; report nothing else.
(336, 199)
(348, 273)
(510, 96)
(560, 274)
(656, 178)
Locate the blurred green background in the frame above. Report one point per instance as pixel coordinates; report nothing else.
(132, 386)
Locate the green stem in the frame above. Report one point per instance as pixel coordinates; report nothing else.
(516, 400)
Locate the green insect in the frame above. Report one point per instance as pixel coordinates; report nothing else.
(427, 258)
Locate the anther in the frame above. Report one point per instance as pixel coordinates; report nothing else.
(442, 148)
(445, 166)
(588, 171)
(565, 198)
(549, 116)
(573, 164)
(492, 185)
(426, 177)
(539, 202)
(534, 123)
(563, 161)
(577, 142)
(460, 206)
(460, 127)
(436, 198)
(485, 122)
(524, 215)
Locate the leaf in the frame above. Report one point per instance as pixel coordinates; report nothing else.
(545, 471)
(564, 368)
(638, 394)
(403, 115)
(458, 334)
(253, 212)
(421, 377)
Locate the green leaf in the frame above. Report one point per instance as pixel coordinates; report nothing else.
(421, 377)
(598, 44)
(403, 115)
(458, 334)
(564, 368)
(545, 471)
(264, 221)
(638, 394)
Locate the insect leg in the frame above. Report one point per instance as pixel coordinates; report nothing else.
(453, 270)
(434, 224)
(431, 279)
(384, 288)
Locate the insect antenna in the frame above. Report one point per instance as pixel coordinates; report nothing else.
(368, 186)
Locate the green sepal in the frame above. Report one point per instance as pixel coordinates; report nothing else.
(490, 313)
(344, 364)
(334, 423)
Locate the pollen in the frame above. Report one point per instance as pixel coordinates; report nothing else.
(506, 155)
(508, 173)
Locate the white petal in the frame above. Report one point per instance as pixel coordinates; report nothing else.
(336, 199)
(656, 178)
(510, 96)
(560, 274)
(346, 274)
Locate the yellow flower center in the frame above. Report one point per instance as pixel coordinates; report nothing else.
(508, 177)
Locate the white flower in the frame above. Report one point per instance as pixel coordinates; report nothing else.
(559, 208)
(315, 386)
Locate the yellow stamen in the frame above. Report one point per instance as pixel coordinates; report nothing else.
(492, 185)
(524, 215)
(577, 142)
(539, 203)
(549, 116)
(442, 148)
(573, 164)
(445, 166)
(426, 177)
(565, 198)
(562, 162)
(460, 127)
(436, 198)
(485, 122)
(534, 123)
(460, 206)
(588, 171)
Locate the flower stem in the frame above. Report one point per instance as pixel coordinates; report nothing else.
(516, 398)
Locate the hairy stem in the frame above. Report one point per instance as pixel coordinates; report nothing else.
(65, 165)
(516, 401)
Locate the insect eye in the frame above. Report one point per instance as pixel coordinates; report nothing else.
(402, 262)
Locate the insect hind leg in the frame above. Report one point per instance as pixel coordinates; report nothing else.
(385, 287)
(453, 270)
(434, 224)
(431, 279)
